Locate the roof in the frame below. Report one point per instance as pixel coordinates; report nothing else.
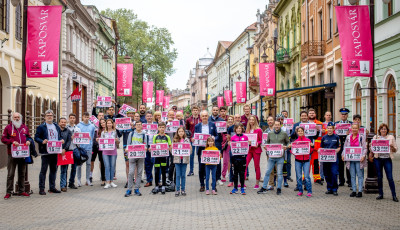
(252, 26)
(225, 44)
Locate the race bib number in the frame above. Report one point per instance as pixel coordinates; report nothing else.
(104, 101)
(200, 139)
(123, 123)
(124, 108)
(164, 116)
(327, 155)
(106, 144)
(264, 139)
(341, 129)
(352, 153)
(150, 129)
(210, 157)
(221, 126)
(274, 150)
(310, 129)
(81, 138)
(94, 121)
(181, 149)
(172, 127)
(288, 123)
(20, 152)
(381, 146)
(240, 148)
(301, 148)
(159, 150)
(136, 151)
(54, 147)
(252, 138)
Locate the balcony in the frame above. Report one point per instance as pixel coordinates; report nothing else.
(280, 56)
(254, 84)
(313, 51)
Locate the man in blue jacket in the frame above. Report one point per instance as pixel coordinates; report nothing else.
(218, 140)
(48, 131)
(86, 127)
(204, 127)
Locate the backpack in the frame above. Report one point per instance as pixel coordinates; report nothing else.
(80, 156)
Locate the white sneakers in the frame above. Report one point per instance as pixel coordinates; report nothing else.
(220, 183)
(79, 183)
(113, 185)
(107, 186)
(110, 185)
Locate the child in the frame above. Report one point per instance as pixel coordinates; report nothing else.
(302, 165)
(181, 163)
(160, 162)
(135, 138)
(211, 168)
(239, 161)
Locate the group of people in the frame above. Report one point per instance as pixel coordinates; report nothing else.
(170, 171)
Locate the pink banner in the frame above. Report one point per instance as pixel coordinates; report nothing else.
(166, 101)
(355, 40)
(159, 97)
(43, 41)
(241, 92)
(147, 96)
(228, 97)
(267, 79)
(220, 101)
(124, 80)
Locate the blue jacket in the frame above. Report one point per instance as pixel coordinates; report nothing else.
(218, 138)
(143, 118)
(211, 128)
(42, 134)
(293, 134)
(87, 128)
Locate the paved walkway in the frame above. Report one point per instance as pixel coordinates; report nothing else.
(97, 208)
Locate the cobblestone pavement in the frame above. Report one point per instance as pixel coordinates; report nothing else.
(97, 208)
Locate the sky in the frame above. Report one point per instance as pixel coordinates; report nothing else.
(194, 25)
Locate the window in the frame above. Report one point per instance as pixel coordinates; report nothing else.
(321, 78)
(304, 32)
(330, 20)
(321, 26)
(330, 71)
(312, 79)
(388, 9)
(294, 35)
(4, 13)
(336, 30)
(391, 113)
(18, 22)
(358, 99)
(312, 29)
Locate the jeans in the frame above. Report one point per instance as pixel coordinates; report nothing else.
(109, 165)
(213, 170)
(12, 164)
(191, 162)
(88, 165)
(356, 171)
(279, 165)
(49, 161)
(289, 164)
(303, 167)
(385, 163)
(63, 176)
(148, 165)
(180, 176)
(330, 170)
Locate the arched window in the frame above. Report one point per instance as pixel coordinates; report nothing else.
(392, 106)
(38, 111)
(358, 99)
(18, 22)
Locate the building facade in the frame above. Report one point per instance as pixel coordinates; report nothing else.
(180, 98)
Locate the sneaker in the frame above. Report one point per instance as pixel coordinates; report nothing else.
(223, 179)
(183, 193)
(190, 174)
(335, 193)
(91, 179)
(244, 187)
(163, 190)
(107, 186)
(256, 186)
(202, 189)
(290, 179)
(155, 190)
(278, 191)
(359, 195)
(328, 192)
(207, 192)
(128, 193)
(89, 183)
(126, 185)
(261, 179)
(230, 184)
(220, 183)
(239, 185)
(42, 192)
(234, 191)
(176, 193)
(63, 189)
(113, 185)
(299, 194)
(286, 185)
(380, 197)
(262, 191)
(79, 183)
(54, 190)
(72, 186)
(309, 195)
(395, 199)
(148, 184)
(242, 191)
(137, 192)
(353, 194)
(269, 187)
(214, 192)
(7, 196)
(24, 194)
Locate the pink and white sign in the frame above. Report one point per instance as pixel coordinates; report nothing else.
(252, 138)
(124, 79)
(123, 123)
(166, 101)
(267, 79)
(301, 148)
(200, 139)
(210, 157)
(159, 97)
(274, 150)
(228, 97)
(181, 149)
(380, 146)
(241, 96)
(159, 150)
(43, 41)
(355, 40)
(94, 121)
(172, 126)
(327, 155)
(20, 152)
(81, 138)
(150, 129)
(264, 139)
(106, 144)
(124, 109)
(104, 101)
(342, 129)
(352, 153)
(148, 91)
(240, 148)
(164, 116)
(221, 126)
(220, 101)
(288, 123)
(136, 151)
(310, 129)
(54, 147)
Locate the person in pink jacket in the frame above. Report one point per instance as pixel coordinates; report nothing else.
(226, 137)
(254, 151)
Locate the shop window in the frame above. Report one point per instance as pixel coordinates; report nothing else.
(391, 113)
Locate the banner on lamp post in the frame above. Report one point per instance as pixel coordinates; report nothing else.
(241, 92)
(159, 97)
(355, 40)
(147, 95)
(124, 79)
(43, 41)
(166, 102)
(267, 79)
(220, 101)
(228, 97)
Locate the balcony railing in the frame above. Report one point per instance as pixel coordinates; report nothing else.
(281, 53)
(313, 51)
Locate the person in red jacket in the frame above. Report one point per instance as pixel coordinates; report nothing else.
(245, 118)
(15, 134)
(254, 151)
(190, 123)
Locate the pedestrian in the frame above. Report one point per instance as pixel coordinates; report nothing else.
(142, 111)
(130, 113)
(179, 117)
(66, 135)
(181, 163)
(157, 117)
(211, 168)
(245, 117)
(275, 137)
(190, 123)
(73, 128)
(239, 161)
(48, 131)
(15, 134)
(314, 161)
(356, 167)
(231, 133)
(102, 127)
(95, 147)
(222, 113)
(226, 137)
(110, 156)
(86, 127)
(136, 137)
(218, 139)
(384, 161)
(149, 161)
(344, 113)
(302, 164)
(254, 151)
(170, 162)
(270, 128)
(331, 141)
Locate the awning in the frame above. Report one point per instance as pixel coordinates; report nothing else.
(253, 100)
(296, 92)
